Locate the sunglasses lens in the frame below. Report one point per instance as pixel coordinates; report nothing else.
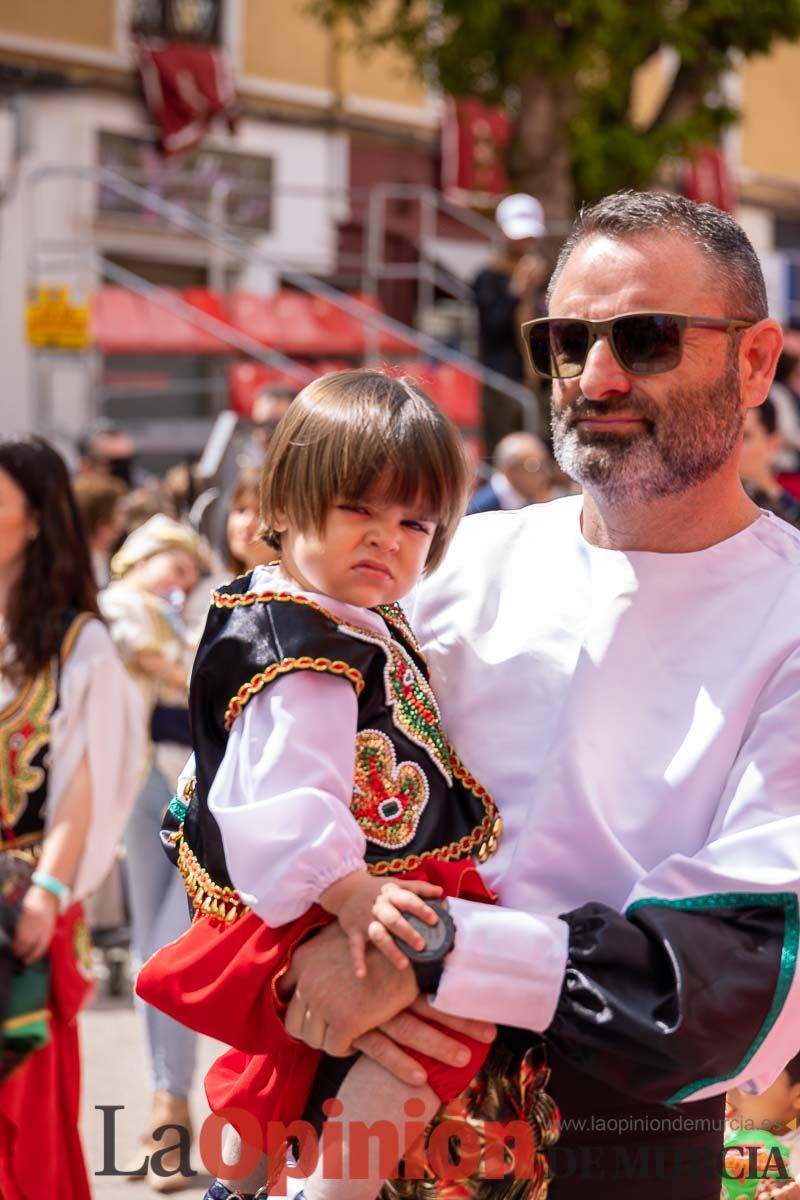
(559, 347)
(649, 343)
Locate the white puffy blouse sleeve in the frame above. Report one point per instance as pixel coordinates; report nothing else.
(100, 714)
(281, 796)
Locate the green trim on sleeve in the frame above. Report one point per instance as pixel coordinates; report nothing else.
(178, 808)
(786, 900)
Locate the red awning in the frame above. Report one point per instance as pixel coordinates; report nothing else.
(123, 322)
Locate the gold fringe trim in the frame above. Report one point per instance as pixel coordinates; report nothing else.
(208, 898)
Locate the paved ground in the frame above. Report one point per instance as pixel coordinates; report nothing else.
(115, 1074)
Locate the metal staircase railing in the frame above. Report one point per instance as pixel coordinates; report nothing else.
(245, 252)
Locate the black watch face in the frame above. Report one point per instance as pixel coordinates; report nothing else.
(438, 937)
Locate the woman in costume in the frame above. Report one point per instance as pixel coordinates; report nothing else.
(157, 564)
(302, 663)
(70, 762)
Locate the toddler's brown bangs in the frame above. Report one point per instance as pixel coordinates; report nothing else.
(351, 432)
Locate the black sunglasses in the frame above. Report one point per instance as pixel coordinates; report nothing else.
(645, 343)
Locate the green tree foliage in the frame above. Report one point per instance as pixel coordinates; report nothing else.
(573, 62)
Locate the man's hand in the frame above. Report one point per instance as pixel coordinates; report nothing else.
(413, 1030)
(329, 1007)
(333, 1011)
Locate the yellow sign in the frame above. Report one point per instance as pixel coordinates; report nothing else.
(53, 320)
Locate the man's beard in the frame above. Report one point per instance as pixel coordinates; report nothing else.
(685, 440)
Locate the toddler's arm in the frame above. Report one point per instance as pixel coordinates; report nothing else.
(282, 794)
(369, 909)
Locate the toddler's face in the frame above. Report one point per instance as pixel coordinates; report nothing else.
(369, 551)
(773, 1109)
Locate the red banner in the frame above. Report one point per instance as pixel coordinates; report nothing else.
(474, 144)
(185, 88)
(708, 178)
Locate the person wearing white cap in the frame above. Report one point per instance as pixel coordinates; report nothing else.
(508, 290)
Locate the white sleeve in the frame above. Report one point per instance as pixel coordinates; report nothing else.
(100, 713)
(506, 966)
(281, 796)
(695, 911)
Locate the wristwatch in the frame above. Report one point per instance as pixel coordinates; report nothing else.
(439, 940)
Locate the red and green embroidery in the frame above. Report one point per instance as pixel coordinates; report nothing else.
(411, 702)
(24, 729)
(388, 800)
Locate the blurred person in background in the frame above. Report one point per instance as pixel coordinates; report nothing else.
(139, 506)
(71, 754)
(523, 474)
(108, 450)
(244, 549)
(179, 491)
(784, 397)
(155, 568)
(509, 290)
(270, 403)
(761, 448)
(99, 499)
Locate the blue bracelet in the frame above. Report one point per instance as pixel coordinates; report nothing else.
(50, 884)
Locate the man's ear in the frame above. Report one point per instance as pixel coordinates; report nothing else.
(759, 351)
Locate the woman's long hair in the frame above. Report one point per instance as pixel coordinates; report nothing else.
(57, 574)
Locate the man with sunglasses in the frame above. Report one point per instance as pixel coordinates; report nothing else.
(622, 670)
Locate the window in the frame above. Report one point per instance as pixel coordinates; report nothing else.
(219, 185)
(179, 20)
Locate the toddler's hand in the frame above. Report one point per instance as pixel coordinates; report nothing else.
(395, 898)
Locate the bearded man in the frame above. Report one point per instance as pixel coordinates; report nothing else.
(622, 671)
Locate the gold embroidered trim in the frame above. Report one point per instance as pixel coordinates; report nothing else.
(72, 633)
(246, 599)
(482, 841)
(39, 1014)
(208, 898)
(304, 663)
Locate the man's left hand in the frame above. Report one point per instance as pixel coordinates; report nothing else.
(330, 1007)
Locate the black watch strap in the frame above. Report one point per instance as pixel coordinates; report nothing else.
(428, 975)
(439, 940)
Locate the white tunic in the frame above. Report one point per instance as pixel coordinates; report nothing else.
(636, 716)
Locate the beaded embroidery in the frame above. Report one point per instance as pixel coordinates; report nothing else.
(388, 800)
(24, 729)
(408, 694)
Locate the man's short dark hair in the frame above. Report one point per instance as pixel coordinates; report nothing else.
(767, 416)
(630, 214)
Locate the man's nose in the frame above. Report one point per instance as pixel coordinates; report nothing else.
(602, 376)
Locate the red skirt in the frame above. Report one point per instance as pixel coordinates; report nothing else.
(220, 980)
(40, 1146)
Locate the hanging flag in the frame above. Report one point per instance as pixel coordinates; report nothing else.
(475, 139)
(185, 88)
(708, 178)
